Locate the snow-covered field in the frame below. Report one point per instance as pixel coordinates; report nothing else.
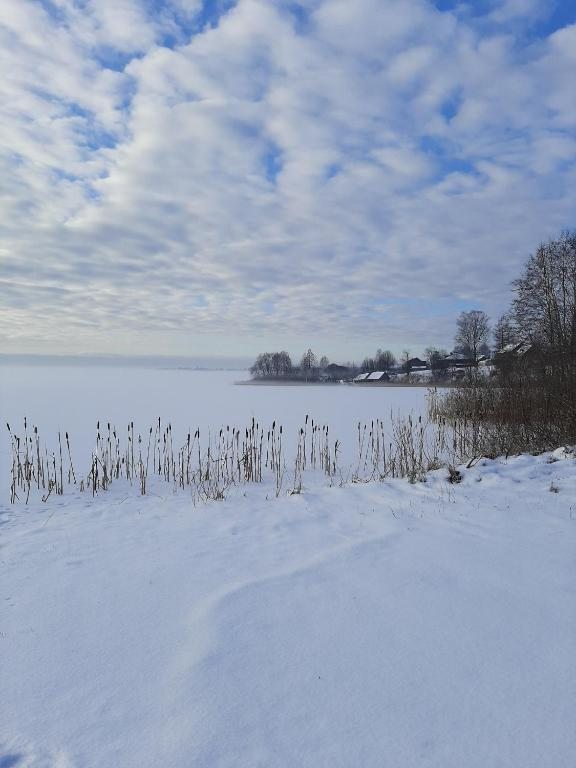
(373, 625)
(74, 398)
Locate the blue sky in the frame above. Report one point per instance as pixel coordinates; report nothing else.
(192, 178)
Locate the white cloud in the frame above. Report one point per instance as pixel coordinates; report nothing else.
(511, 10)
(274, 174)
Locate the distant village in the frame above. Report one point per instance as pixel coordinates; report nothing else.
(438, 367)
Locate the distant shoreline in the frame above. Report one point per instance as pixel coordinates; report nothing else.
(358, 385)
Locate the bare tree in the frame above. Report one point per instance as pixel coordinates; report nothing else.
(262, 366)
(544, 309)
(505, 332)
(405, 360)
(368, 365)
(385, 360)
(308, 364)
(284, 364)
(269, 364)
(472, 330)
(324, 363)
(276, 361)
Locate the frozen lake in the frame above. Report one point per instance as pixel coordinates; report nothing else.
(427, 622)
(73, 398)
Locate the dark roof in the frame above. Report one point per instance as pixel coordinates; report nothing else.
(518, 350)
(377, 376)
(415, 361)
(457, 359)
(372, 376)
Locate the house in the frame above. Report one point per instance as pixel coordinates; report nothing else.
(525, 353)
(410, 367)
(372, 378)
(457, 361)
(415, 364)
(456, 365)
(522, 349)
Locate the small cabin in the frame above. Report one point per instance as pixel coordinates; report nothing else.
(456, 360)
(372, 377)
(415, 364)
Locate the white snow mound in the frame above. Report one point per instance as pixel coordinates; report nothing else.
(374, 625)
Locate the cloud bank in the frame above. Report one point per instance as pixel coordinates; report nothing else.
(194, 177)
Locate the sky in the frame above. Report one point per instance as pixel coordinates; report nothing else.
(220, 177)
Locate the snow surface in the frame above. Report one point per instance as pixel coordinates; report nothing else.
(372, 625)
(74, 398)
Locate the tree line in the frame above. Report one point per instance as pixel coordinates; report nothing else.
(542, 315)
(542, 312)
(530, 404)
(280, 365)
(272, 365)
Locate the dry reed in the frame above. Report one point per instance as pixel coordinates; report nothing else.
(209, 465)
